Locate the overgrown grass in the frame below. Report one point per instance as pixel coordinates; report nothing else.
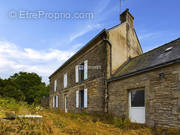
(60, 123)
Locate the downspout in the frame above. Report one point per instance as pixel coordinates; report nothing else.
(109, 43)
(106, 84)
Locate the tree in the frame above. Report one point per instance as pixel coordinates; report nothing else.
(24, 86)
(1, 86)
(13, 92)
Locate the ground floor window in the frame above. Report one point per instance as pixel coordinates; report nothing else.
(55, 101)
(82, 98)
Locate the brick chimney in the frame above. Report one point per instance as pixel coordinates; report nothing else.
(127, 17)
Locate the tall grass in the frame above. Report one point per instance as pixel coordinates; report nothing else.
(60, 123)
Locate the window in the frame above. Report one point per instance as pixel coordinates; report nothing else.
(55, 85)
(65, 80)
(137, 98)
(82, 72)
(55, 101)
(83, 98)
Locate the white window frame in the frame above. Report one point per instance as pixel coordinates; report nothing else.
(55, 85)
(77, 73)
(85, 98)
(85, 69)
(57, 101)
(65, 80)
(77, 99)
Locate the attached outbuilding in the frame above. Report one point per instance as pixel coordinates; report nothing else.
(147, 88)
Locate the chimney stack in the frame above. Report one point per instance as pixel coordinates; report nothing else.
(127, 17)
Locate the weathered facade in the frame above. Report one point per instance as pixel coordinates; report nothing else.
(96, 56)
(100, 59)
(111, 74)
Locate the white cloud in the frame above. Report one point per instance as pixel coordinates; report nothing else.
(87, 29)
(14, 59)
(77, 46)
(144, 36)
(101, 7)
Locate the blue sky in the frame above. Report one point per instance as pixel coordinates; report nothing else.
(42, 45)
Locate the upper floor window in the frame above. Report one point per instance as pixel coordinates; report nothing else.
(55, 85)
(65, 80)
(81, 72)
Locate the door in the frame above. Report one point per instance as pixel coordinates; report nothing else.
(66, 103)
(137, 106)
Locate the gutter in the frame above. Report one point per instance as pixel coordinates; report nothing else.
(144, 70)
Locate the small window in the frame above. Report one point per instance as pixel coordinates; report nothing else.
(168, 49)
(137, 98)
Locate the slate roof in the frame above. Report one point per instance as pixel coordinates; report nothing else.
(161, 56)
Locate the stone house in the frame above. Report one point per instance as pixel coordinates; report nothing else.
(110, 74)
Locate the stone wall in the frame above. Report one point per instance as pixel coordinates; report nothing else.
(96, 56)
(162, 96)
(95, 96)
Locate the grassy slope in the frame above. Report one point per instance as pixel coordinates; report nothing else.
(59, 123)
